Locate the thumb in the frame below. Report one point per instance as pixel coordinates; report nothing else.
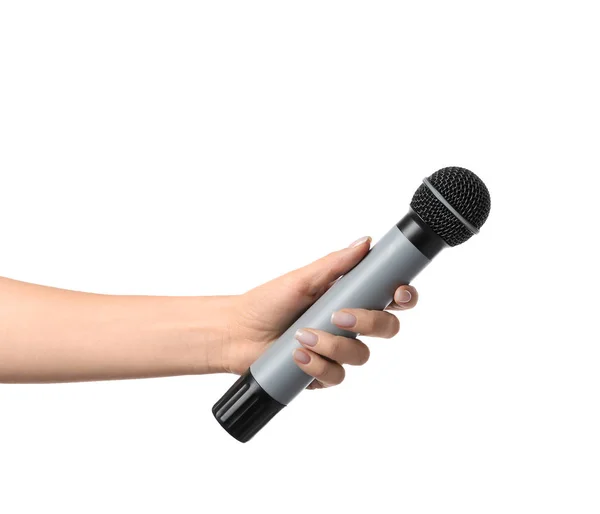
(315, 277)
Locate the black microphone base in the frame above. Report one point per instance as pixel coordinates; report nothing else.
(245, 408)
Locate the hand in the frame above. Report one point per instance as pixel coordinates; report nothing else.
(262, 314)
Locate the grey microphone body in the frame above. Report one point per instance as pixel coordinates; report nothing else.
(447, 209)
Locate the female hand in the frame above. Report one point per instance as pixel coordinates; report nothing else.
(262, 314)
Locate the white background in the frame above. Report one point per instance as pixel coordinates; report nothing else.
(183, 148)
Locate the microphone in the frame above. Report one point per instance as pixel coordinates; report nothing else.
(448, 208)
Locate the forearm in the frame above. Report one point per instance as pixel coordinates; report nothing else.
(55, 335)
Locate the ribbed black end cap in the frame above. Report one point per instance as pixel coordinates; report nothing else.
(245, 408)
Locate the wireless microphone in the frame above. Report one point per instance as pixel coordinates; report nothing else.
(447, 209)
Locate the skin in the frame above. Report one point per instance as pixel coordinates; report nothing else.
(56, 335)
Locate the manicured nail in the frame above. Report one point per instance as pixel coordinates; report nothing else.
(301, 357)
(343, 319)
(402, 296)
(360, 241)
(306, 338)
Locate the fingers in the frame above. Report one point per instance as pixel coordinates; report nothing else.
(367, 322)
(315, 277)
(405, 297)
(322, 354)
(325, 371)
(343, 350)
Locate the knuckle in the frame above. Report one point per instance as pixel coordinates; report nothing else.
(373, 324)
(330, 373)
(393, 326)
(335, 347)
(294, 281)
(368, 323)
(321, 369)
(334, 261)
(363, 354)
(339, 376)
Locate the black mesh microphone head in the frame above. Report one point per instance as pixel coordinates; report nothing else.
(464, 192)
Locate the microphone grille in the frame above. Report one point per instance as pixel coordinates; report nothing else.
(465, 192)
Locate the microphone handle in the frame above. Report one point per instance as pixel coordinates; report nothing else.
(274, 379)
(371, 284)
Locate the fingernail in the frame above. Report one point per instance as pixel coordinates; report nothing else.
(402, 296)
(360, 241)
(343, 319)
(301, 357)
(307, 338)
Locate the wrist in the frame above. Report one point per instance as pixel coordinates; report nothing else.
(199, 330)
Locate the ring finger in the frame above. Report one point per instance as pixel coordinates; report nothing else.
(337, 348)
